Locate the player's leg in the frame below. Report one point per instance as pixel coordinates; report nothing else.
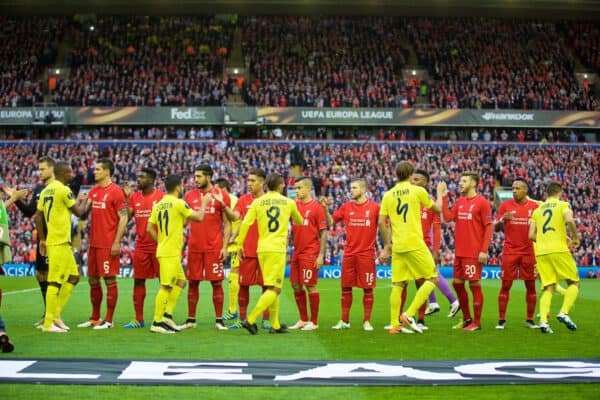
(508, 273)
(421, 266)
(422, 308)
(446, 290)
(94, 267)
(548, 281)
(400, 276)
(194, 276)
(213, 271)
(269, 263)
(41, 275)
(310, 277)
(367, 280)
(67, 285)
(234, 287)
(348, 280)
(110, 270)
(299, 293)
(566, 267)
(55, 271)
(143, 268)
(461, 292)
(6, 346)
(528, 274)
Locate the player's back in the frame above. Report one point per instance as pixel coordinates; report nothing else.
(549, 218)
(55, 202)
(402, 205)
(169, 215)
(273, 212)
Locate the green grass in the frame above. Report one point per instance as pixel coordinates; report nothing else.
(21, 307)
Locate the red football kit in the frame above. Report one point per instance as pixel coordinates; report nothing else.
(250, 273)
(307, 243)
(145, 264)
(107, 202)
(518, 259)
(358, 263)
(206, 238)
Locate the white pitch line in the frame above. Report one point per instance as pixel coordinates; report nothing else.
(19, 291)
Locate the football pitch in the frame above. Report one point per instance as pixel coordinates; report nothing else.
(21, 306)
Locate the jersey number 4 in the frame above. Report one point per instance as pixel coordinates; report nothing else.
(402, 209)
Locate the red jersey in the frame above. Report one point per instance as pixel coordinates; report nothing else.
(104, 217)
(251, 240)
(141, 205)
(207, 236)
(471, 216)
(307, 241)
(431, 224)
(516, 231)
(361, 226)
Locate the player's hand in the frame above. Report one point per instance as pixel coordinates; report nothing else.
(218, 196)
(19, 194)
(442, 189)
(115, 249)
(240, 254)
(43, 251)
(223, 254)
(508, 216)
(82, 197)
(324, 201)
(573, 243)
(384, 256)
(319, 262)
(482, 258)
(436, 257)
(206, 199)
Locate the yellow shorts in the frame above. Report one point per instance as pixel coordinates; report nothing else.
(61, 263)
(171, 270)
(555, 267)
(272, 266)
(414, 264)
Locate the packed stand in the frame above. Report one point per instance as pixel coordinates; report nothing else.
(325, 62)
(332, 166)
(148, 61)
(585, 39)
(498, 63)
(27, 46)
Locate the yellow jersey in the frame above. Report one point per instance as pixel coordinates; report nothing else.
(55, 203)
(402, 205)
(550, 223)
(170, 215)
(232, 248)
(272, 212)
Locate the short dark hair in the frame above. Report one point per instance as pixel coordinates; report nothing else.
(150, 172)
(172, 182)
(521, 180)
(48, 160)
(61, 167)
(259, 172)
(223, 184)
(205, 169)
(422, 172)
(404, 170)
(273, 181)
(553, 189)
(471, 174)
(108, 164)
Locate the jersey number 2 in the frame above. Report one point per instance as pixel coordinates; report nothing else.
(545, 227)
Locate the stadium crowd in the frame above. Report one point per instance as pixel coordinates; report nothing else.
(301, 61)
(27, 46)
(147, 61)
(496, 63)
(326, 62)
(331, 165)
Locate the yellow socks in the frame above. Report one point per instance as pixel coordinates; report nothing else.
(395, 302)
(172, 300)
(51, 305)
(569, 300)
(545, 302)
(420, 298)
(264, 302)
(160, 303)
(234, 287)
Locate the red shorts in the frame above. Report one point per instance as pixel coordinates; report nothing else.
(204, 267)
(303, 271)
(250, 273)
(359, 271)
(145, 265)
(101, 263)
(518, 266)
(467, 269)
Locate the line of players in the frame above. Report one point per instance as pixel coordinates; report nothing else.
(408, 221)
